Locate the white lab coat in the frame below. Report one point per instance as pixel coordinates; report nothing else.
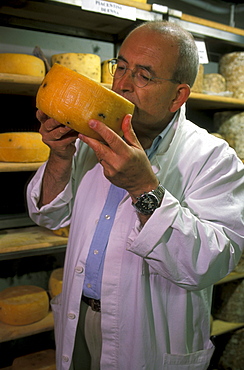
(157, 280)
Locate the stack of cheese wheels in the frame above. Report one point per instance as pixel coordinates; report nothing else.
(88, 65)
(73, 99)
(213, 83)
(198, 84)
(231, 66)
(22, 64)
(43, 360)
(23, 147)
(230, 124)
(56, 282)
(107, 78)
(23, 305)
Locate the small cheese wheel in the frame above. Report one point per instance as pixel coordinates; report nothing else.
(213, 82)
(43, 360)
(106, 77)
(73, 99)
(22, 64)
(23, 305)
(23, 147)
(88, 65)
(56, 282)
(198, 84)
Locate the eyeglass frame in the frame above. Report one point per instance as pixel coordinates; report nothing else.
(133, 73)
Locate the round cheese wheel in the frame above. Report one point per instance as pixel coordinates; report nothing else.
(198, 84)
(106, 77)
(22, 64)
(24, 304)
(213, 82)
(43, 360)
(231, 66)
(73, 99)
(88, 65)
(23, 147)
(56, 282)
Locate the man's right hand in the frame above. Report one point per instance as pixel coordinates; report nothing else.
(60, 139)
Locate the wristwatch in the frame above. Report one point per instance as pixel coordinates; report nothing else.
(148, 202)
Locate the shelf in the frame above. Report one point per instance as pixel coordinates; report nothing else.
(17, 167)
(231, 277)
(222, 327)
(10, 332)
(29, 241)
(214, 102)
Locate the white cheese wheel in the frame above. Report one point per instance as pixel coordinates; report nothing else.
(230, 124)
(43, 360)
(198, 84)
(107, 78)
(213, 83)
(56, 282)
(88, 65)
(25, 147)
(22, 64)
(23, 304)
(231, 66)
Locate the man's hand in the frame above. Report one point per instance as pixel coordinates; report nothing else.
(124, 160)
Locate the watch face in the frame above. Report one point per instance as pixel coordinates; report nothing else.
(147, 203)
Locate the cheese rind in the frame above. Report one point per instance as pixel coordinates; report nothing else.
(73, 99)
(26, 147)
(23, 305)
(88, 65)
(43, 360)
(22, 64)
(55, 283)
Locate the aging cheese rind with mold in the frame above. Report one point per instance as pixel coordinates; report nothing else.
(73, 99)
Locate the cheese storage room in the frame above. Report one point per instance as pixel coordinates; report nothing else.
(153, 250)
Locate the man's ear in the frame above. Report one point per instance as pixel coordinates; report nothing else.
(182, 94)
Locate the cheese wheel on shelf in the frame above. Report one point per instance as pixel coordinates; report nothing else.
(73, 99)
(213, 83)
(231, 66)
(22, 64)
(198, 84)
(43, 360)
(88, 65)
(56, 282)
(23, 304)
(106, 77)
(26, 147)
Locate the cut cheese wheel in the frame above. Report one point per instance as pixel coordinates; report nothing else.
(73, 99)
(22, 64)
(23, 305)
(88, 65)
(23, 147)
(56, 282)
(43, 360)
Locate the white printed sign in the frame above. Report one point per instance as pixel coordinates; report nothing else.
(109, 8)
(202, 52)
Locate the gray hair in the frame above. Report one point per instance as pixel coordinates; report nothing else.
(188, 60)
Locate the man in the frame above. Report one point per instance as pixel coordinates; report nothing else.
(175, 231)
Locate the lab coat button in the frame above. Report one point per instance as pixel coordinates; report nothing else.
(79, 269)
(65, 358)
(71, 316)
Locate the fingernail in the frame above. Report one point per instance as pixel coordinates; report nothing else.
(92, 123)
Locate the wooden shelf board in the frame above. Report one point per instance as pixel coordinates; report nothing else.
(205, 101)
(18, 167)
(222, 327)
(10, 332)
(230, 277)
(29, 238)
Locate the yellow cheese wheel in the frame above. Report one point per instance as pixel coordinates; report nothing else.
(106, 77)
(56, 282)
(23, 147)
(22, 64)
(43, 360)
(88, 65)
(23, 304)
(73, 99)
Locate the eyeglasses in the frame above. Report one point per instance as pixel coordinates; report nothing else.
(141, 76)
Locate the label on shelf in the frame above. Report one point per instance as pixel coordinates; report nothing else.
(202, 52)
(109, 8)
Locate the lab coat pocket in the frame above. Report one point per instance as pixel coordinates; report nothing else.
(198, 360)
(56, 309)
